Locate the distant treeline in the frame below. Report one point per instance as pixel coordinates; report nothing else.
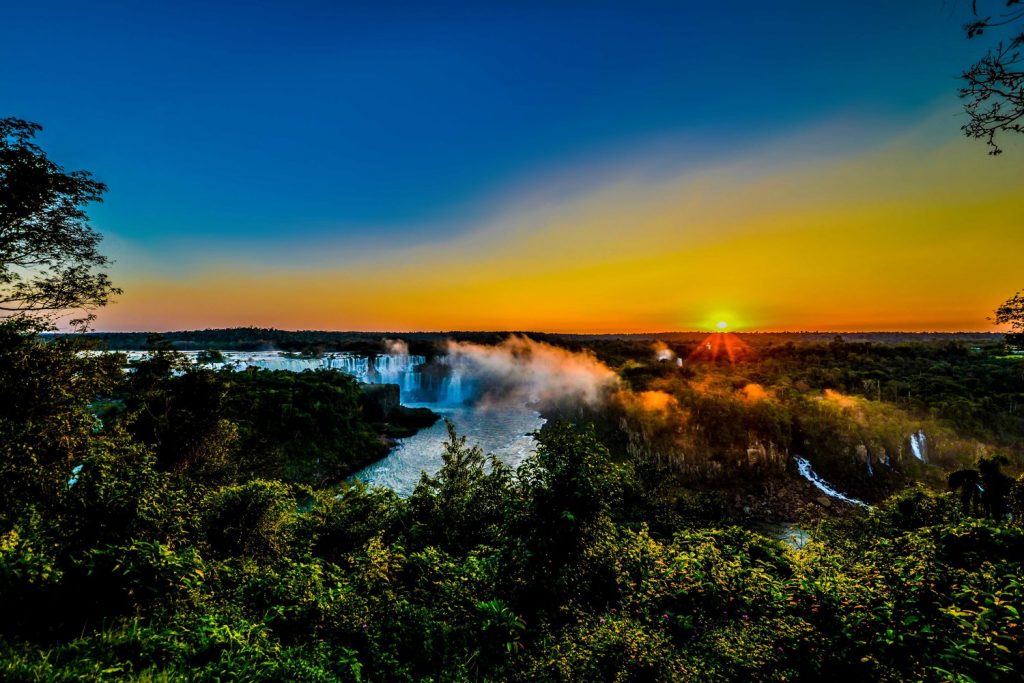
(426, 343)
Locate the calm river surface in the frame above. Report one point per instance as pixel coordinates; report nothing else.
(503, 431)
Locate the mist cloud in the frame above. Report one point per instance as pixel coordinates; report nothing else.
(396, 347)
(663, 352)
(520, 369)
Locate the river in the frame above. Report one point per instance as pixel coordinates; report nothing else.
(502, 430)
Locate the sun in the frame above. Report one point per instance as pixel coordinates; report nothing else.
(722, 325)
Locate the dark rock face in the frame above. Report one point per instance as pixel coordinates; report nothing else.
(383, 409)
(380, 400)
(406, 421)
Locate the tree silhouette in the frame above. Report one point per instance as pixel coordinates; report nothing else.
(968, 482)
(994, 92)
(985, 490)
(48, 250)
(1011, 312)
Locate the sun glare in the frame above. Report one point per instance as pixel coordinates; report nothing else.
(721, 344)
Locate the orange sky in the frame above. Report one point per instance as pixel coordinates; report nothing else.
(922, 232)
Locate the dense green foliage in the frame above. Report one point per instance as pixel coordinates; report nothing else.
(977, 392)
(976, 389)
(302, 427)
(719, 433)
(163, 544)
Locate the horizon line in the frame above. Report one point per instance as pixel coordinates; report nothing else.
(540, 332)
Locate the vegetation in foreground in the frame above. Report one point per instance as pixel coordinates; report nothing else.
(118, 561)
(161, 526)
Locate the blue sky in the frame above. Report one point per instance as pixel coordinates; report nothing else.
(235, 118)
(234, 133)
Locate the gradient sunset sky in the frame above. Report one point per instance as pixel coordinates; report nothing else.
(559, 166)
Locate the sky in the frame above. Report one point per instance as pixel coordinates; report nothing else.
(553, 166)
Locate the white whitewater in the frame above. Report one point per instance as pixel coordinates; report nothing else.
(803, 465)
(919, 446)
(387, 368)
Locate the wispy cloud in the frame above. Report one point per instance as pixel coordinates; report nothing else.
(903, 235)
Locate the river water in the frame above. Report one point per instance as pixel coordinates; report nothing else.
(503, 430)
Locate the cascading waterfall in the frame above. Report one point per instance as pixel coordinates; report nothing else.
(455, 385)
(919, 445)
(387, 368)
(73, 479)
(451, 390)
(447, 384)
(803, 465)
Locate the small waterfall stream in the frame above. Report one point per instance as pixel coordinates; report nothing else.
(919, 445)
(803, 465)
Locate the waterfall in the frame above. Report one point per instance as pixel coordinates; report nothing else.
(919, 445)
(804, 467)
(400, 369)
(411, 383)
(387, 368)
(451, 389)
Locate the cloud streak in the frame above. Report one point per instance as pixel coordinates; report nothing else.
(899, 237)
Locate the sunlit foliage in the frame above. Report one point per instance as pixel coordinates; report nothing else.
(137, 566)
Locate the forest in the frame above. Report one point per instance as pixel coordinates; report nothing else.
(165, 517)
(193, 523)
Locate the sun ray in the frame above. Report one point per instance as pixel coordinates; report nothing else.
(724, 344)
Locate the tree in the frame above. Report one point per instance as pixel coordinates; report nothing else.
(968, 482)
(1011, 313)
(465, 502)
(49, 256)
(985, 490)
(994, 92)
(46, 424)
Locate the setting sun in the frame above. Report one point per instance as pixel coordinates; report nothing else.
(353, 340)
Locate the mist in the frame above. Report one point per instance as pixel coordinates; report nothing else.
(521, 370)
(397, 347)
(663, 352)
